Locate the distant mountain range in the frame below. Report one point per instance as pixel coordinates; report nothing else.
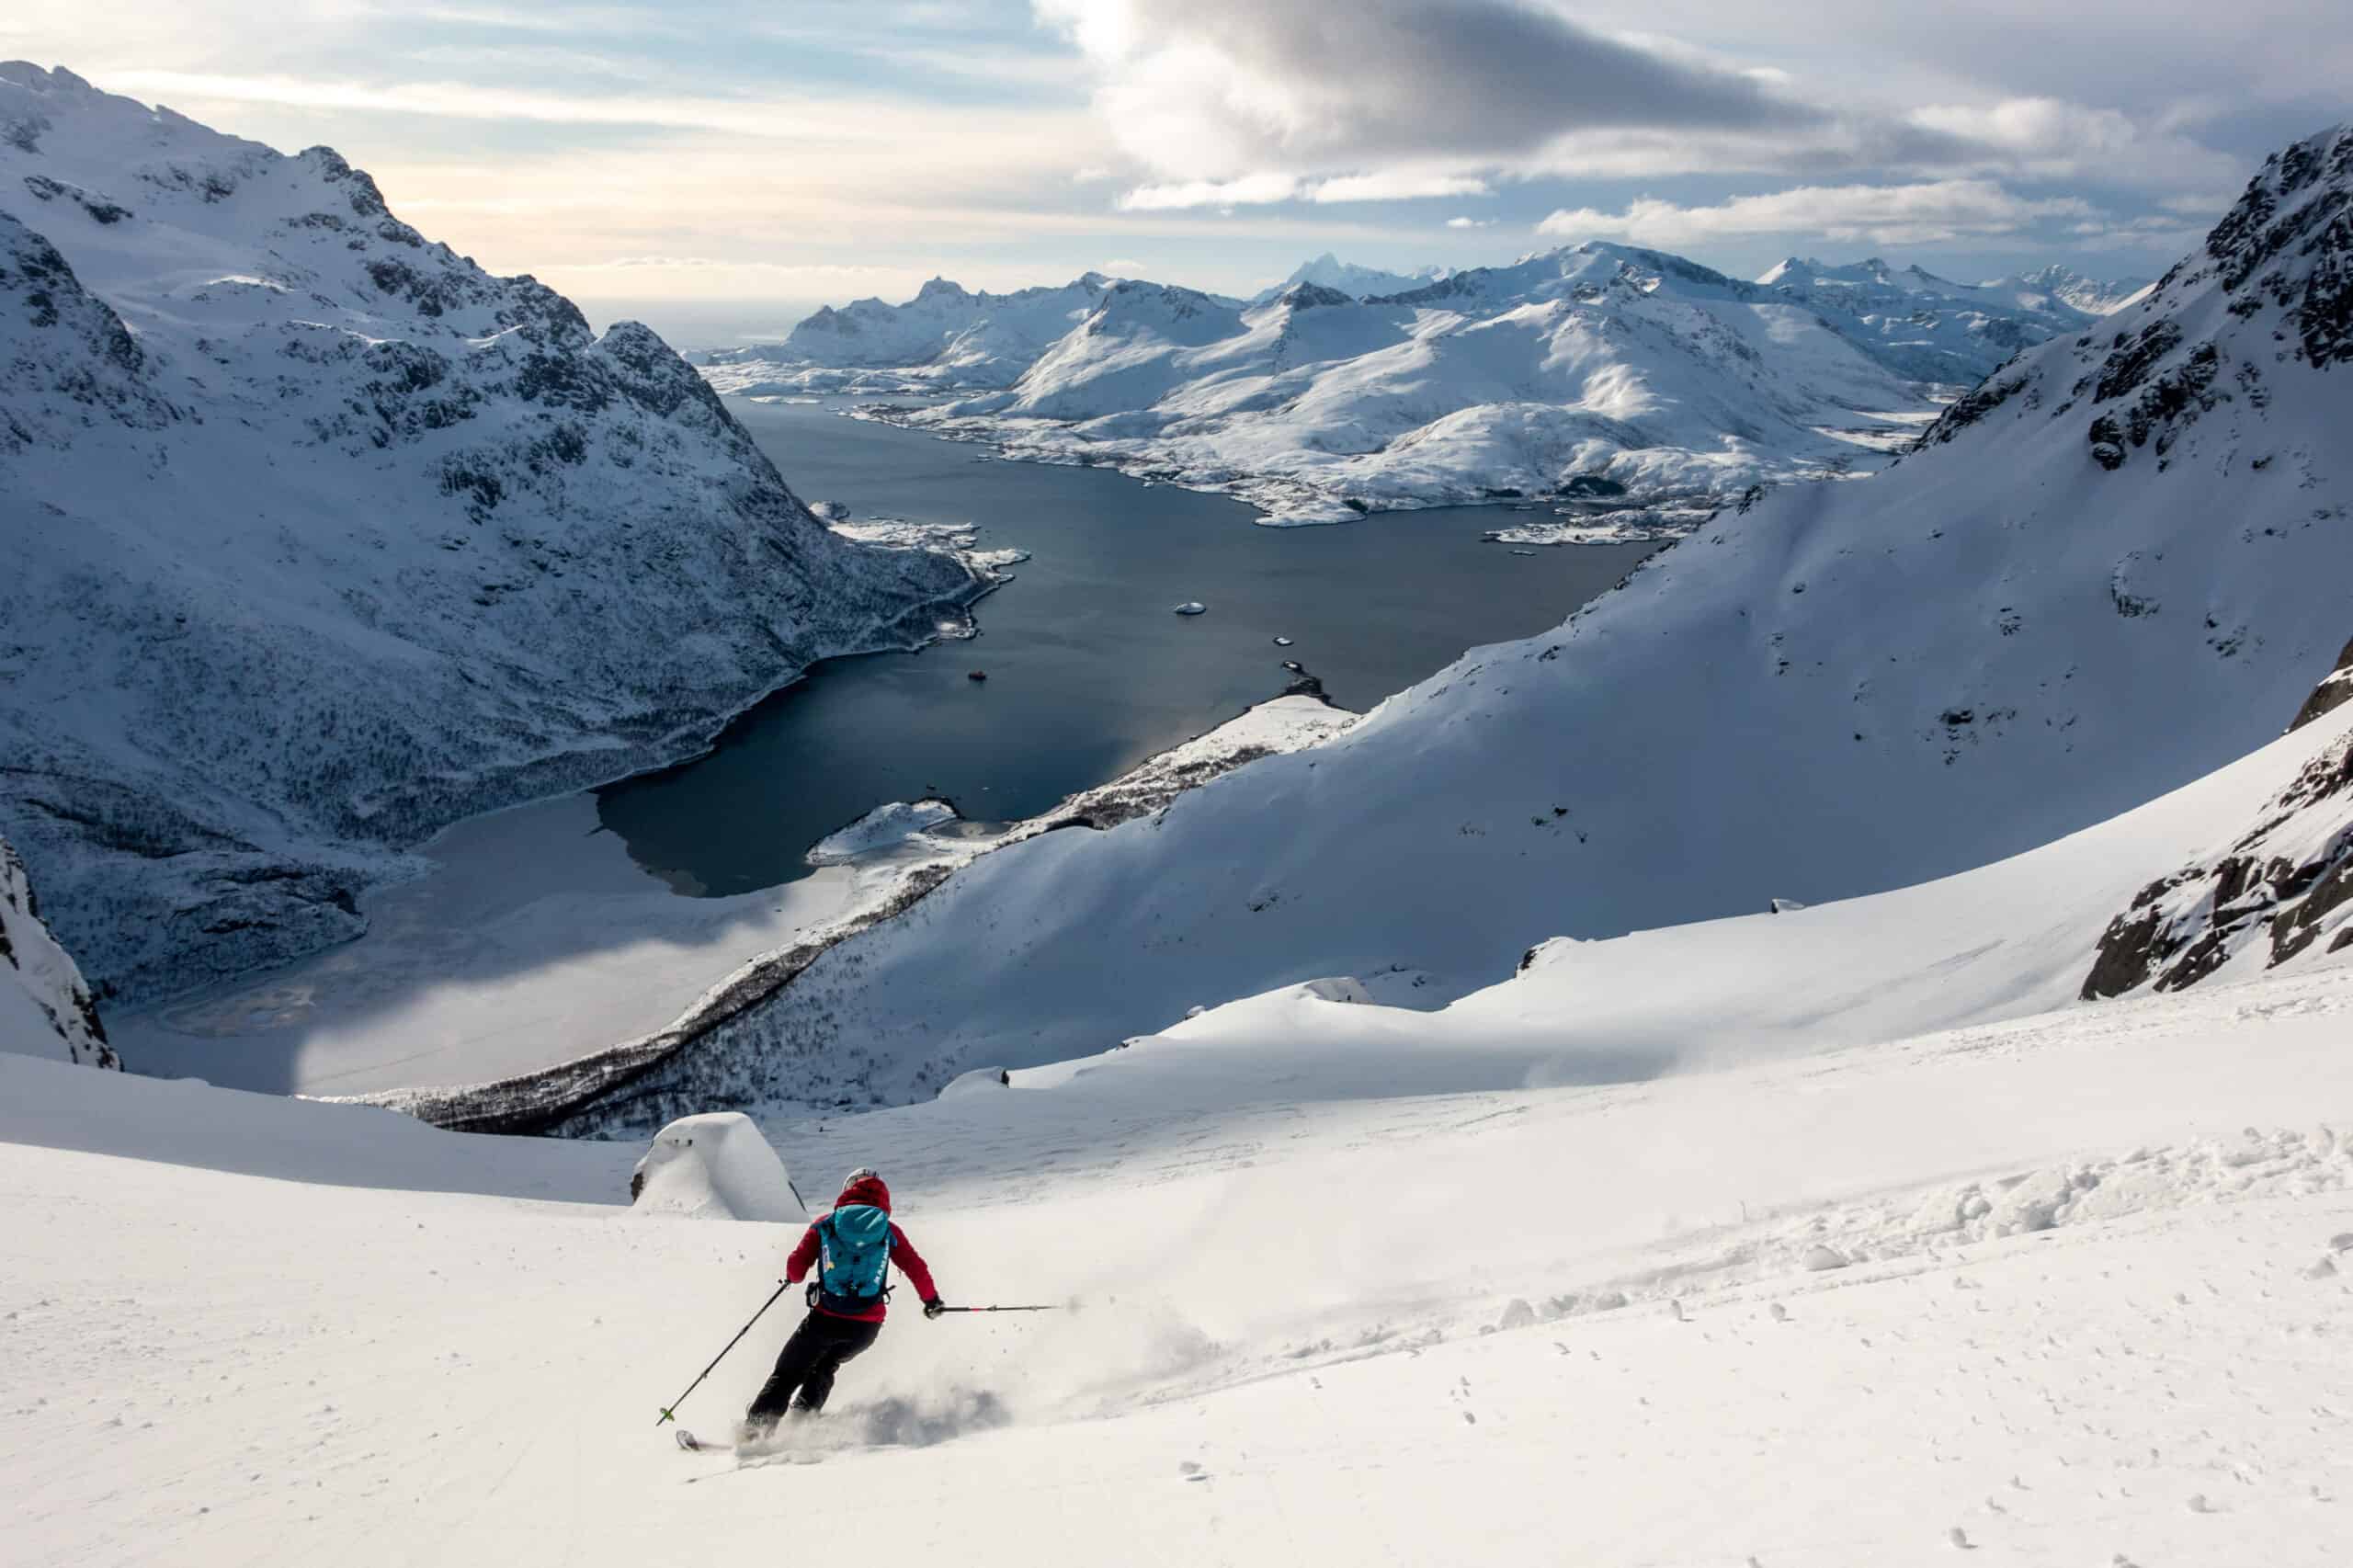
(1593, 374)
(1328, 271)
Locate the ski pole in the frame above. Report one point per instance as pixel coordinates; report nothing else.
(1058, 1307)
(666, 1410)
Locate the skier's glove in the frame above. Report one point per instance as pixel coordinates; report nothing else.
(934, 1307)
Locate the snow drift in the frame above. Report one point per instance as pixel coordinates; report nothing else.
(355, 538)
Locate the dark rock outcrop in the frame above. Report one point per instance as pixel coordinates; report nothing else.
(2273, 892)
(45, 1008)
(2334, 689)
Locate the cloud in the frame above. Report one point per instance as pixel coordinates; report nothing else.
(1123, 266)
(1212, 92)
(1397, 185)
(1343, 101)
(1250, 190)
(1470, 222)
(816, 123)
(1260, 189)
(1924, 213)
(2052, 138)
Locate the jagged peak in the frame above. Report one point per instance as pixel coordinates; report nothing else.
(56, 79)
(1311, 296)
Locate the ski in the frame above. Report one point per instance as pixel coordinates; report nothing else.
(695, 1445)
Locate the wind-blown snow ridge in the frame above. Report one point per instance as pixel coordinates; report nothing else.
(1598, 377)
(1850, 688)
(320, 536)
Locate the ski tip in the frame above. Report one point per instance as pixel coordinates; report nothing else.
(686, 1440)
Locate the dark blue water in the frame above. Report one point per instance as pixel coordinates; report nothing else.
(1089, 673)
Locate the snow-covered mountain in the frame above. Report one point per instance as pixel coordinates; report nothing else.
(1328, 271)
(1598, 377)
(319, 537)
(2093, 296)
(945, 335)
(1593, 372)
(2112, 568)
(1927, 326)
(45, 1007)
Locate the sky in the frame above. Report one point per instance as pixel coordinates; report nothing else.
(720, 168)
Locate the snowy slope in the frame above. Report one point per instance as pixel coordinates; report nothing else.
(45, 1007)
(2026, 628)
(320, 536)
(1359, 282)
(2068, 1290)
(2023, 936)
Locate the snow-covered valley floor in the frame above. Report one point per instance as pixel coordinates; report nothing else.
(2068, 1285)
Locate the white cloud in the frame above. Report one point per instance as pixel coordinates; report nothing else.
(1250, 190)
(1924, 213)
(1470, 222)
(1260, 189)
(1123, 266)
(1397, 185)
(816, 124)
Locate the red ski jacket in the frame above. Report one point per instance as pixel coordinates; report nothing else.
(903, 1252)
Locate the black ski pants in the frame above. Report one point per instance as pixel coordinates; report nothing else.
(810, 1357)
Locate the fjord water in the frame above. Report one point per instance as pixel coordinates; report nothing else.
(1088, 671)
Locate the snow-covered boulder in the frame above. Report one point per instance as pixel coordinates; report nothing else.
(45, 1007)
(353, 537)
(714, 1166)
(978, 1080)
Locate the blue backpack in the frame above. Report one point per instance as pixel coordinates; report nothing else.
(853, 1260)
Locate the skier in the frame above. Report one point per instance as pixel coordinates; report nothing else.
(850, 1248)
